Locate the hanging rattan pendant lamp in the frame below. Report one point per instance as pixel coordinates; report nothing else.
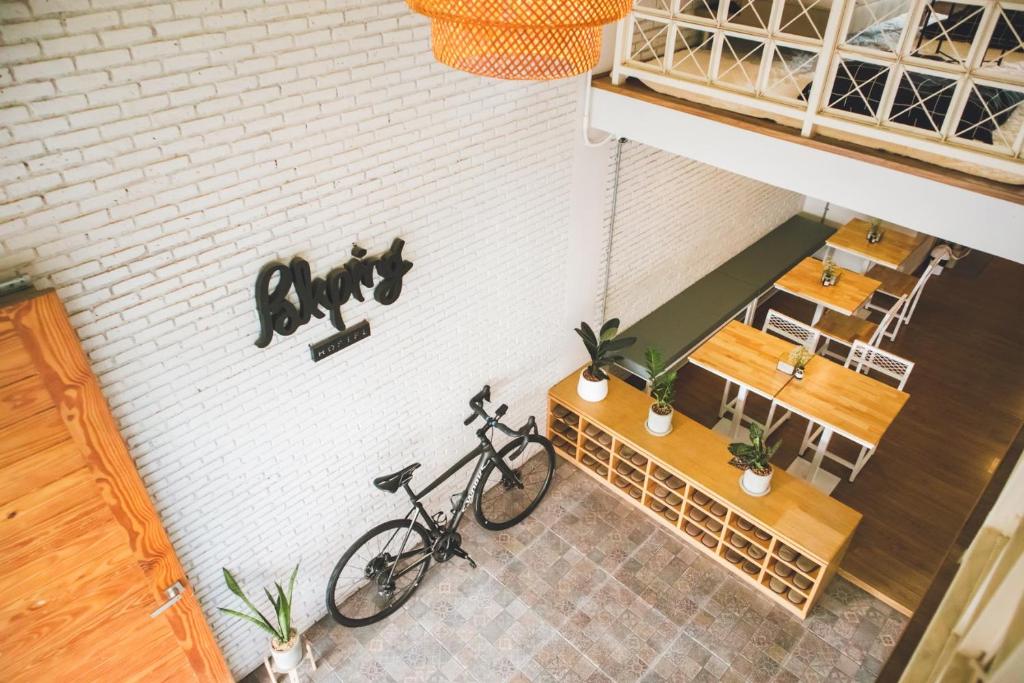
(539, 40)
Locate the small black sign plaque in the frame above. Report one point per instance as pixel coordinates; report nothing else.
(342, 340)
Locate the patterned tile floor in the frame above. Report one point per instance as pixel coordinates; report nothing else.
(589, 588)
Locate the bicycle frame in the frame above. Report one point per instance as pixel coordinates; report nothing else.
(484, 452)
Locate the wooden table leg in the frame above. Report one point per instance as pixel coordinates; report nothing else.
(821, 479)
(819, 452)
(737, 413)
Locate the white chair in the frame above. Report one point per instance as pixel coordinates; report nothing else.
(863, 358)
(850, 329)
(895, 285)
(791, 329)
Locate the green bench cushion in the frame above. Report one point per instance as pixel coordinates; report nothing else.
(683, 321)
(772, 256)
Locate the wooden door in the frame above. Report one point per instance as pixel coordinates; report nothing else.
(84, 559)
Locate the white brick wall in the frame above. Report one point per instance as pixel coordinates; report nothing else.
(153, 156)
(676, 221)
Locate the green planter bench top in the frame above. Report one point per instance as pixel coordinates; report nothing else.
(681, 323)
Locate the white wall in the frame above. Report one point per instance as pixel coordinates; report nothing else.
(676, 221)
(975, 220)
(153, 156)
(156, 157)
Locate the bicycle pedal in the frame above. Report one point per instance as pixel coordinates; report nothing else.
(464, 555)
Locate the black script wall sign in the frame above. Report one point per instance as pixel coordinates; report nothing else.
(278, 314)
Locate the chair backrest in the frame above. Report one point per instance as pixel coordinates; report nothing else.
(889, 320)
(793, 330)
(865, 357)
(915, 293)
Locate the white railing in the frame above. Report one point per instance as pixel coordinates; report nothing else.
(941, 81)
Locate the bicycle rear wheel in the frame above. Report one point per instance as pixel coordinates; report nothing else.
(378, 573)
(501, 502)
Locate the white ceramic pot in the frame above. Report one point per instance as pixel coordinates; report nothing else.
(287, 659)
(590, 390)
(756, 484)
(658, 424)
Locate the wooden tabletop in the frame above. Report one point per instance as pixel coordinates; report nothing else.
(747, 356)
(895, 247)
(845, 296)
(893, 281)
(794, 509)
(854, 405)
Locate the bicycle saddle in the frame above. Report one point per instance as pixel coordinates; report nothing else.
(391, 482)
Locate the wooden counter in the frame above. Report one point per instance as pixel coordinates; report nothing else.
(794, 514)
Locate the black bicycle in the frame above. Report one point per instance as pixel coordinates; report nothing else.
(386, 565)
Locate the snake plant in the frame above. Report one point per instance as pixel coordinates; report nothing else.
(755, 455)
(281, 631)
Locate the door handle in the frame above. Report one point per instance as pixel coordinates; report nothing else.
(174, 593)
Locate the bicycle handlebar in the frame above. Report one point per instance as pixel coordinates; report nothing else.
(477, 404)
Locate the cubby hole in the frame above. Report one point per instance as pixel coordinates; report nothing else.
(597, 435)
(750, 531)
(595, 465)
(796, 561)
(784, 590)
(664, 495)
(596, 451)
(739, 561)
(699, 516)
(666, 512)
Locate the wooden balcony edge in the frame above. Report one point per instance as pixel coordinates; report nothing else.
(991, 188)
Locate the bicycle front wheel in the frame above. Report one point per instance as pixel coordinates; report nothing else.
(378, 573)
(500, 501)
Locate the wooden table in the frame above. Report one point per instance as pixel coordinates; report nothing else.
(846, 296)
(843, 402)
(748, 357)
(894, 249)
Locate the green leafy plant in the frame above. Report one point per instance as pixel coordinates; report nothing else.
(281, 631)
(663, 384)
(800, 357)
(829, 271)
(875, 231)
(602, 347)
(755, 455)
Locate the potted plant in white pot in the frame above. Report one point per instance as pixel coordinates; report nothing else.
(799, 358)
(875, 231)
(829, 273)
(753, 458)
(602, 347)
(285, 641)
(663, 390)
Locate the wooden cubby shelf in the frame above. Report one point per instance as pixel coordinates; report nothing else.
(787, 544)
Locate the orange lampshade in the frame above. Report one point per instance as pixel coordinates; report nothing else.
(538, 40)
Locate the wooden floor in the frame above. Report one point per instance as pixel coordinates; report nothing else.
(966, 407)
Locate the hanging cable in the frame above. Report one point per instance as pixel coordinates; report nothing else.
(611, 229)
(586, 117)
